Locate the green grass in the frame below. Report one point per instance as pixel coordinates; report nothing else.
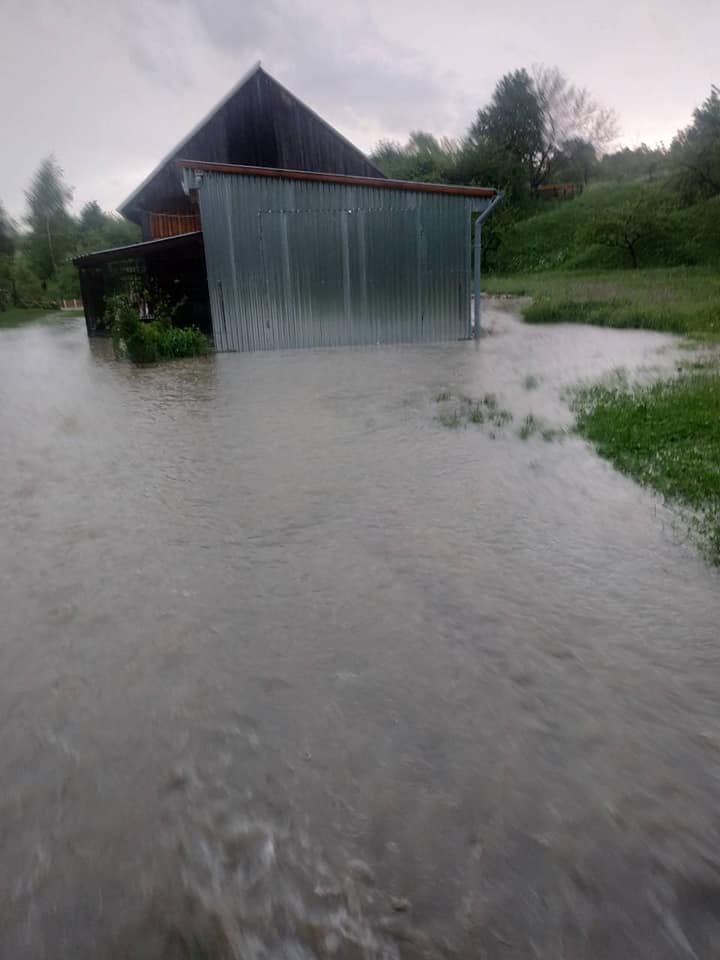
(666, 436)
(675, 299)
(16, 316)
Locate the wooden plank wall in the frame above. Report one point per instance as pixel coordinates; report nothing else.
(172, 224)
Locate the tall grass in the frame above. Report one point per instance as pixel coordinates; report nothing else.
(680, 299)
(666, 436)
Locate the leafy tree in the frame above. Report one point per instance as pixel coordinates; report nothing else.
(628, 227)
(542, 122)
(7, 234)
(7, 247)
(27, 286)
(572, 119)
(65, 285)
(575, 161)
(92, 219)
(51, 226)
(512, 125)
(97, 230)
(633, 163)
(423, 157)
(695, 151)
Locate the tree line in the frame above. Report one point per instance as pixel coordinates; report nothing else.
(540, 129)
(35, 257)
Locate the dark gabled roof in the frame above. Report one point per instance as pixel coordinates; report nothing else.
(384, 183)
(204, 131)
(134, 251)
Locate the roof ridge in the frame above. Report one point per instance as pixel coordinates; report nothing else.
(246, 77)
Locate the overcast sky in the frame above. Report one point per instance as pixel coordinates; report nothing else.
(111, 85)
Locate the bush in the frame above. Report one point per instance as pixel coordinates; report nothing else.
(174, 342)
(151, 341)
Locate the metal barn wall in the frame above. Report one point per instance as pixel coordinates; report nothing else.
(295, 263)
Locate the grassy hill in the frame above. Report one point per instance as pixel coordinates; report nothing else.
(551, 239)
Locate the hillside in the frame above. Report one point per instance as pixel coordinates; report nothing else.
(552, 239)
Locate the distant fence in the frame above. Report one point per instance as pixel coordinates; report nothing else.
(560, 190)
(73, 304)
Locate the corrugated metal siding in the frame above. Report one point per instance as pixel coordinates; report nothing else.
(305, 264)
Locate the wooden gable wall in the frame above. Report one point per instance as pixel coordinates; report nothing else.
(262, 124)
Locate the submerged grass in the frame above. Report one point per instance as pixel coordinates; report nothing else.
(465, 410)
(450, 419)
(666, 436)
(677, 300)
(533, 425)
(16, 316)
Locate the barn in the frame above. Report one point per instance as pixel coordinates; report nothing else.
(275, 232)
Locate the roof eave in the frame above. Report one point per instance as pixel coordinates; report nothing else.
(145, 246)
(384, 183)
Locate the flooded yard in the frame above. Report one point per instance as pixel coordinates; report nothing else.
(289, 668)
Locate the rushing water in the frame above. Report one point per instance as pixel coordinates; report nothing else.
(290, 669)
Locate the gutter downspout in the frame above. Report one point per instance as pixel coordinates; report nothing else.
(478, 258)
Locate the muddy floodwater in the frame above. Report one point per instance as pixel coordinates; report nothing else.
(291, 669)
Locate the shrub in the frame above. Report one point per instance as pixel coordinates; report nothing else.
(151, 341)
(629, 227)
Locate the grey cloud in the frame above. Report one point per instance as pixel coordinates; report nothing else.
(307, 48)
(111, 85)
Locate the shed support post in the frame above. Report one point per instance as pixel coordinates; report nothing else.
(477, 249)
(477, 252)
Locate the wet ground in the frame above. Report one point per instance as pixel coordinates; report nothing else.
(290, 669)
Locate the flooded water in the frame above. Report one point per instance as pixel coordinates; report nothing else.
(289, 669)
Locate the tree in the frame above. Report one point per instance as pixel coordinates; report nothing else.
(7, 248)
(575, 161)
(538, 121)
(628, 228)
(7, 234)
(91, 218)
(570, 115)
(97, 230)
(27, 288)
(423, 157)
(633, 163)
(51, 226)
(695, 151)
(513, 124)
